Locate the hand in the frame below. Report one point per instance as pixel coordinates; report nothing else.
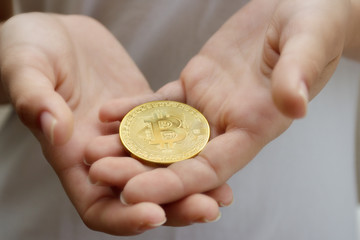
(58, 71)
(250, 80)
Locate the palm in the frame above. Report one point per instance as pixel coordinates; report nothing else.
(95, 69)
(86, 66)
(233, 81)
(102, 71)
(232, 103)
(227, 86)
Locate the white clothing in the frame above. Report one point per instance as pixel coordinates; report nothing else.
(300, 187)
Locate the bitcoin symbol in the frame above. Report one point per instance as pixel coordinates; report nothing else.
(166, 130)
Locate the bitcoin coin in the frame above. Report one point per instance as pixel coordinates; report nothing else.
(164, 132)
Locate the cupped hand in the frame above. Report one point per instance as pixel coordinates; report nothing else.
(58, 71)
(250, 80)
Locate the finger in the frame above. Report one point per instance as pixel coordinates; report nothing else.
(110, 216)
(103, 146)
(199, 208)
(37, 103)
(196, 208)
(172, 91)
(210, 169)
(101, 209)
(307, 60)
(115, 171)
(223, 195)
(116, 109)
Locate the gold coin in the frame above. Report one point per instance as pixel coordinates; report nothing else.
(164, 132)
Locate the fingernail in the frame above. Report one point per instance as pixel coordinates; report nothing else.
(122, 200)
(151, 226)
(48, 123)
(221, 204)
(96, 183)
(154, 225)
(303, 92)
(86, 163)
(211, 220)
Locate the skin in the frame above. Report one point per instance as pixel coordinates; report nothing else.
(251, 79)
(56, 73)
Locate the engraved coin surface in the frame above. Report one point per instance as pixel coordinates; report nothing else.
(164, 131)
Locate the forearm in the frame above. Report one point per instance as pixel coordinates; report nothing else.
(352, 44)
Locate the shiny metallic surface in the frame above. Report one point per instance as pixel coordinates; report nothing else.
(164, 132)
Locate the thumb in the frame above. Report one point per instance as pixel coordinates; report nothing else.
(307, 60)
(172, 91)
(38, 105)
(116, 109)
